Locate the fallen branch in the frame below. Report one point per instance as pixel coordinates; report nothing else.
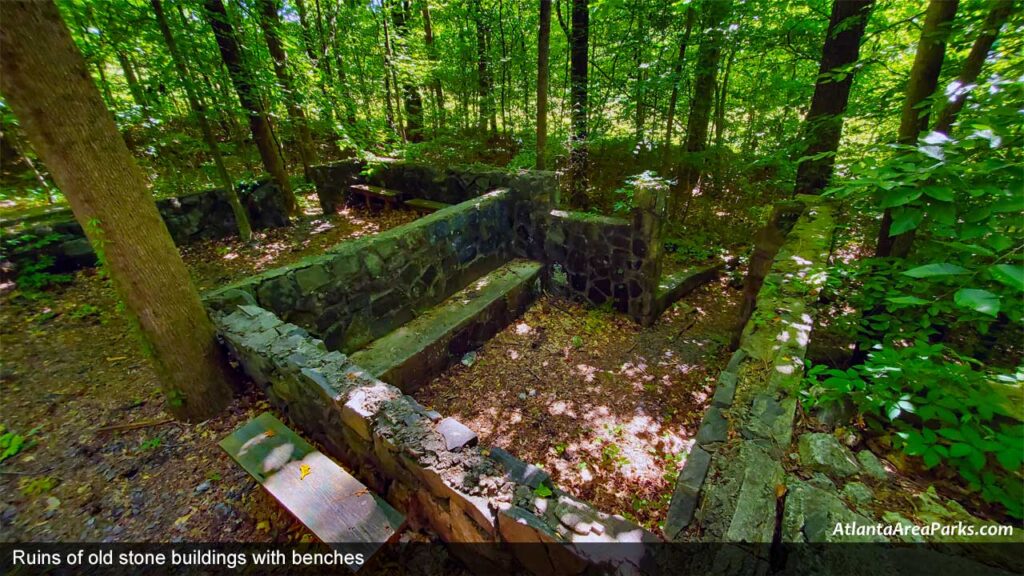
(135, 425)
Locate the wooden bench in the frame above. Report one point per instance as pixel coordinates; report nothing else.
(336, 507)
(390, 198)
(425, 206)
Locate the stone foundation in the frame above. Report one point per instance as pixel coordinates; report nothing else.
(429, 467)
(189, 218)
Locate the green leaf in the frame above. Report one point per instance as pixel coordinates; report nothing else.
(931, 459)
(905, 221)
(914, 300)
(1010, 274)
(939, 193)
(900, 197)
(959, 450)
(937, 269)
(1009, 205)
(978, 300)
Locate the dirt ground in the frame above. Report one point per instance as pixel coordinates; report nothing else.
(71, 367)
(608, 408)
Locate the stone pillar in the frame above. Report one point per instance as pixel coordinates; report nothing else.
(333, 180)
(649, 212)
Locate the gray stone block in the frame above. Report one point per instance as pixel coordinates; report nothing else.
(714, 428)
(456, 434)
(823, 453)
(872, 465)
(687, 492)
(725, 390)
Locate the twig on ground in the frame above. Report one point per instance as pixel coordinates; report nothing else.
(135, 425)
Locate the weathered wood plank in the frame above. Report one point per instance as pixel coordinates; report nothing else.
(424, 205)
(319, 493)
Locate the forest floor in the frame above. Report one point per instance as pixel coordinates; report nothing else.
(71, 367)
(608, 408)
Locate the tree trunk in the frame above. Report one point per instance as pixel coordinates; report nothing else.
(412, 101)
(579, 54)
(708, 56)
(998, 13)
(722, 97)
(259, 124)
(677, 73)
(199, 109)
(133, 82)
(435, 80)
(270, 22)
(483, 74)
(543, 73)
(924, 78)
(823, 125)
(76, 137)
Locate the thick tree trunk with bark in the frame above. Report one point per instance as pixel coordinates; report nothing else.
(924, 78)
(579, 54)
(45, 80)
(998, 13)
(199, 109)
(270, 22)
(543, 48)
(259, 123)
(823, 125)
(710, 52)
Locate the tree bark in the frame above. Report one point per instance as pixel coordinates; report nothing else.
(270, 22)
(579, 56)
(483, 74)
(998, 13)
(924, 78)
(823, 125)
(133, 82)
(435, 80)
(259, 123)
(710, 52)
(543, 74)
(412, 101)
(677, 74)
(199, 109)
(45, 80)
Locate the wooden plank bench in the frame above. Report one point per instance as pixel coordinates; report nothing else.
(425, 206)
(390, 198)
(336, 507)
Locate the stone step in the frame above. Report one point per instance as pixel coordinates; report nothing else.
(425, 206)
(421, 349)
(334, 505)
(672, 287)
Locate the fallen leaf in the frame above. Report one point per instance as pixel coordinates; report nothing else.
(304, 470)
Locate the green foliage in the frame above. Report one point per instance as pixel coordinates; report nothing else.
(543, 491)
(12, 444)
(150, 444)
(921, 382)
(35, 486)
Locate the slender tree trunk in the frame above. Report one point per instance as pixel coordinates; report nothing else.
(270, 22)
(411, 98)
(703, 95)
(823, 125)
(259, 124)
(389, 108)
(108, 97)
(435, 80)
(677, 74)
(723, 95)
(483, 74)
(543, 73)
(924, 78)
(308, 42)
(133, 82)
(199, 109)
(45, 80)
(578, 157)
(997, 15)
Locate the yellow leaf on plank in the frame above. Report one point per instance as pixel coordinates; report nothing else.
(304, 471)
